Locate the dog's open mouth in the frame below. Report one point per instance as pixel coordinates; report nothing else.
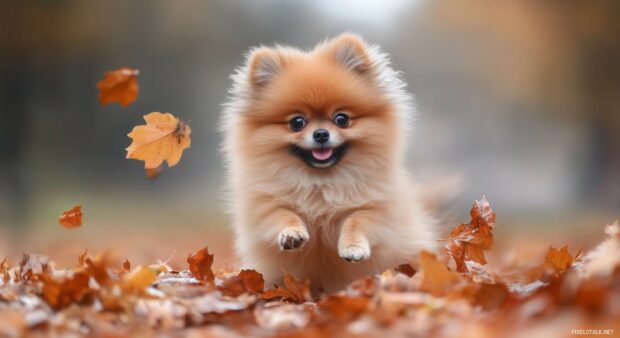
(319, 157)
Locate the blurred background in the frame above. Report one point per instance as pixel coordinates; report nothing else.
(518, 99)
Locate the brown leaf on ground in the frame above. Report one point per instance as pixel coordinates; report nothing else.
(247, 281)
(293, 290)
(119, 86)
(99, 267)
(436, 278)
(406, 269)
(200, 263)
(163, 138)
(4, 271)
(32, 266)
(469, 241)
(71, 218)
(126, 265)
(138, 279)
(343, 307)
(59, 294)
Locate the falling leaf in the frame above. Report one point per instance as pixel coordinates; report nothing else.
(247, 281)
(293, 290)
(163, 138)
(200, 263)
(71, 218)
(119, 86)
(436, 278)
(469, 241)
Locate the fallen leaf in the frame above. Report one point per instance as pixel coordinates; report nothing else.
(558, 259)
(82, 258)
(406, 269)
(247, 281)
(293, 290)
(34, 265)
(66, 292)
(139, 279)
(126, 265)
(163, 138)
(119, 86)
(4, 270)
(436, 278)
(469, 241)
(200, 263)
(71, 218)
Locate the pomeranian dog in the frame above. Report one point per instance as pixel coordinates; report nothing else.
(314, 144)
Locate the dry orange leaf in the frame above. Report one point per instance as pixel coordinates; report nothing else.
(126, 265)
(61, 294)
(247, 281)
(71, 218)
(558, 259)
(163, 138)
(436, 278)
(293, 290)
(469, 241)
(139, 279)
(119, 86)
(200, 263)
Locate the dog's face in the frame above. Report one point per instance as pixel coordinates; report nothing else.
(321, 111)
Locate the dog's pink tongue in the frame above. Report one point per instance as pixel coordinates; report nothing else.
(322, 154)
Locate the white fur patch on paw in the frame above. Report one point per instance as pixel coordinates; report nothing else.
(354, 252)
(291, 239)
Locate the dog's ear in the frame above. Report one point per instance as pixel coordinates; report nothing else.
(263, 65)
(350, 51)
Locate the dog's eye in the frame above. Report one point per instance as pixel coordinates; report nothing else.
(297, 123)
(341, 120)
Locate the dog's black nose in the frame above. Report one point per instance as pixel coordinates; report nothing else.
(321, 135)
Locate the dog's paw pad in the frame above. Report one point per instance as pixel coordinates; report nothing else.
(292, 239)
(354, 253)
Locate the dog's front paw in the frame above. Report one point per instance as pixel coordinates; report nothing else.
(354, 252)
(290, 239)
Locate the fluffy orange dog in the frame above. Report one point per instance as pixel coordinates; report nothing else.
(314, 143)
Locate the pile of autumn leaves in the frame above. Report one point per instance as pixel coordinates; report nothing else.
(444, 294)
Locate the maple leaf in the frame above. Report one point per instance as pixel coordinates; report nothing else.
(293, 290)
(200, 263)
(558, 259)
(436, 278)
(163, 138)
(71, 218)
(469, 241)
(119, 86)
(247, 281)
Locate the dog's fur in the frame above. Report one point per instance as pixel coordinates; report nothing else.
(330, 225)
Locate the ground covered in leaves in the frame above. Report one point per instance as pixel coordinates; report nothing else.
(448, 293)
